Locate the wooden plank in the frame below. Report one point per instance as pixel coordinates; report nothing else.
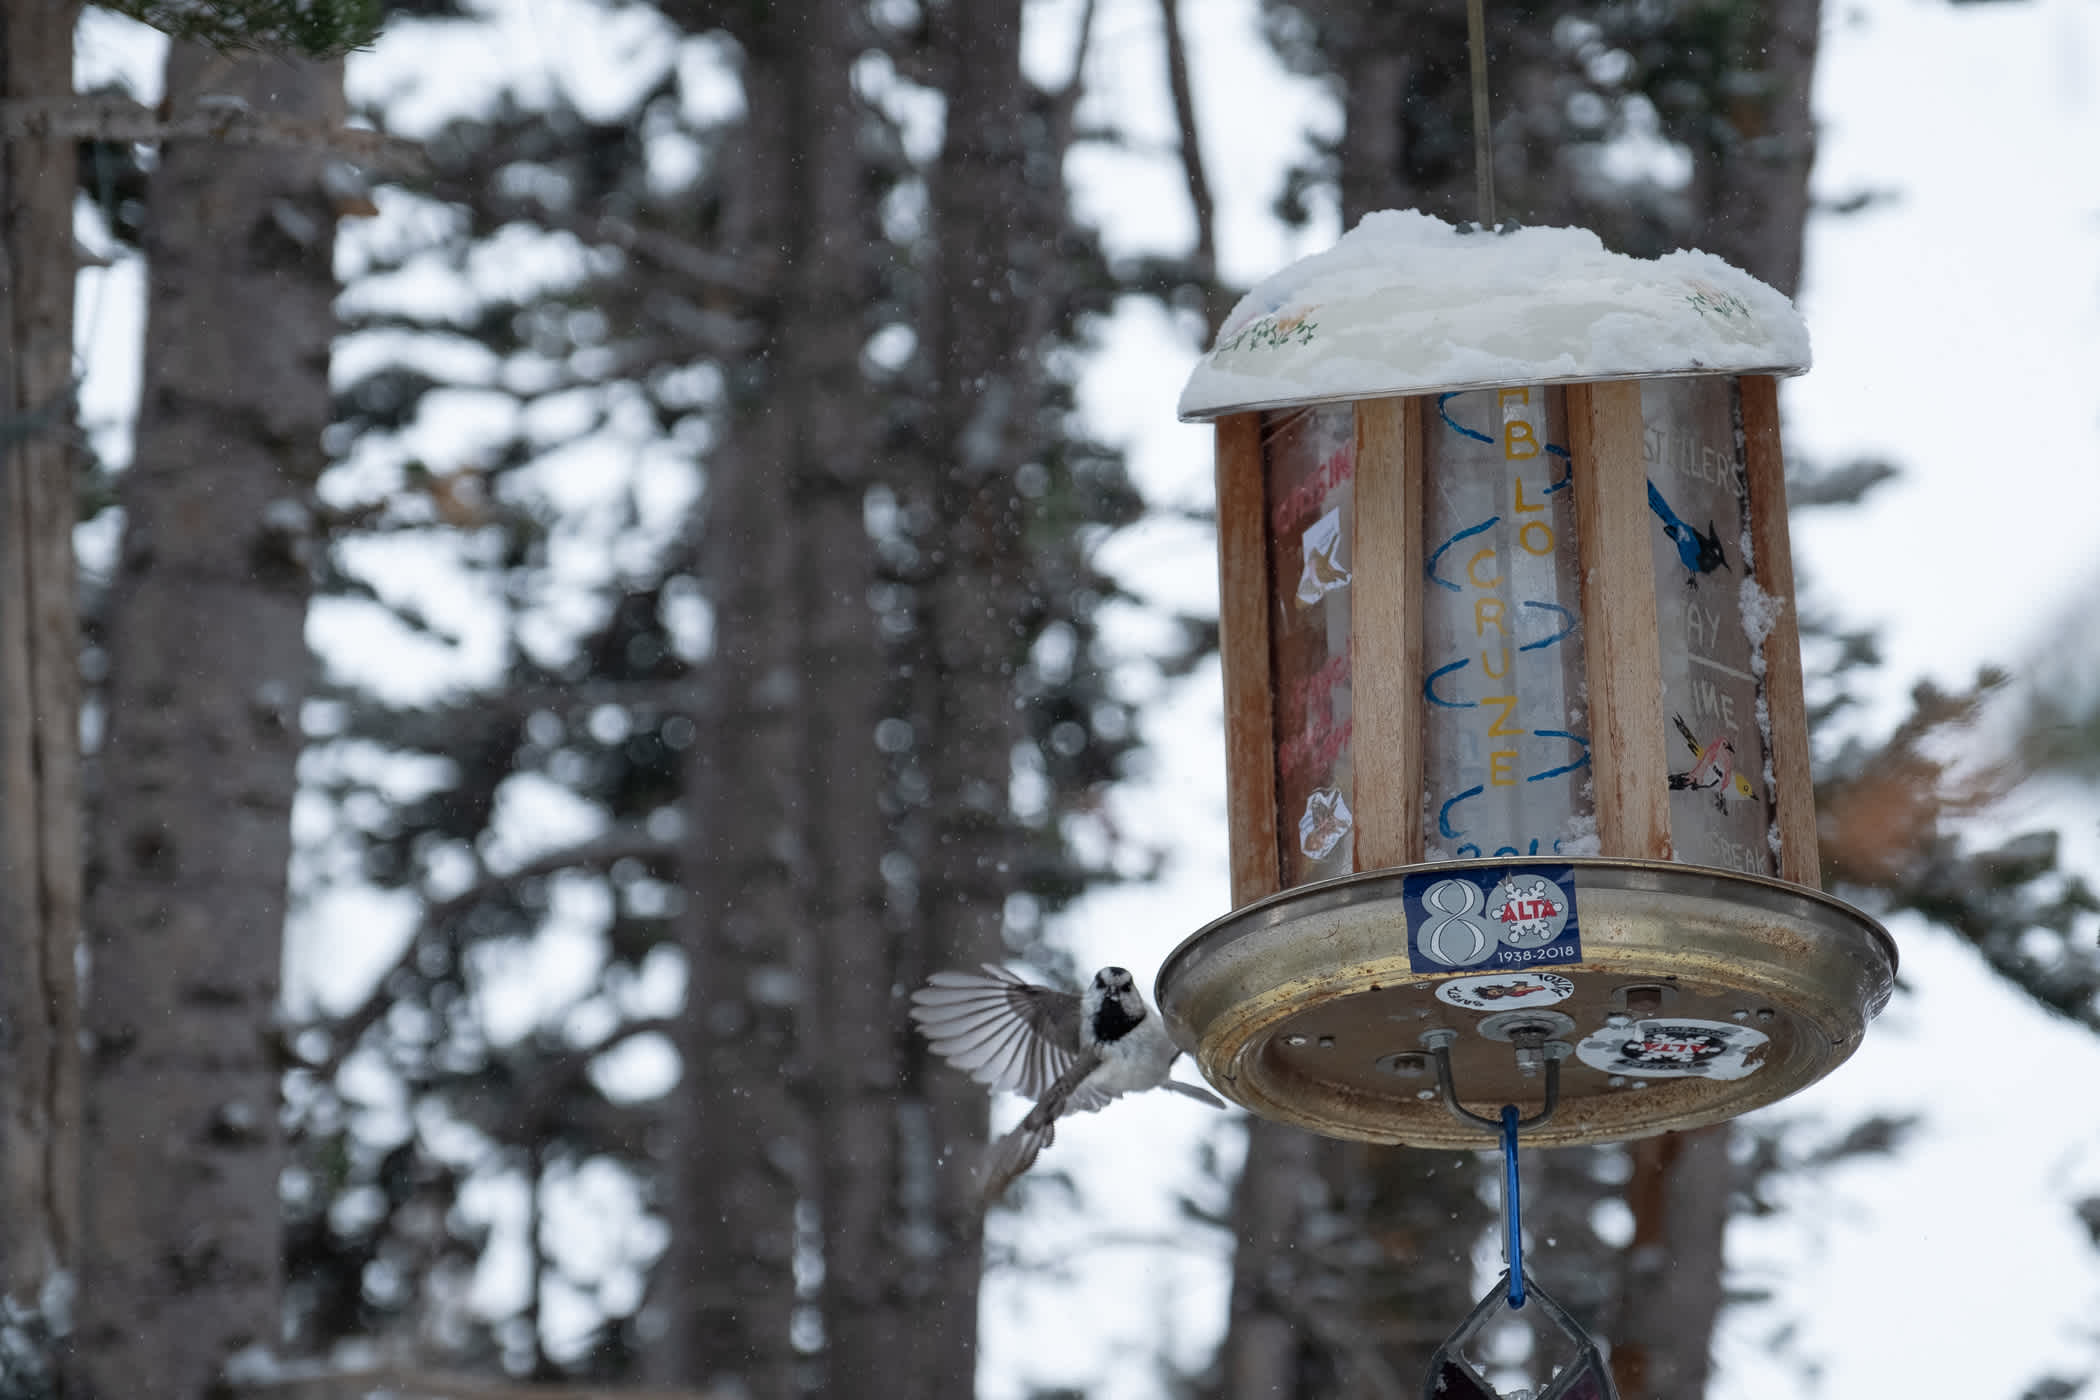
(1243, 624)
(311, 1381)
(1621, 646)
(1385, 633)
(1772, 563)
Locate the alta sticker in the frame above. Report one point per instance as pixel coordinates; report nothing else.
(1504, 991)
(1675, 1049)
(1495, 920)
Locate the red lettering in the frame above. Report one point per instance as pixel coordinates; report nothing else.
(1307, 691)
(1315, 749)
(1306, 498)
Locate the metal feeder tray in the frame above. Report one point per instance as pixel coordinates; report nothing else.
(1303, 1007)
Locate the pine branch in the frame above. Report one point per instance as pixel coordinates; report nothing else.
(598, 853)
(310, 28)
(119, 119)
(746, 278)
(1193, 173)
(435, 729)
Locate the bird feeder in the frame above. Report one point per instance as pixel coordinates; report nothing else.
(1517, 756)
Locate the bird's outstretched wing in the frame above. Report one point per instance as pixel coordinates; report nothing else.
(1000, 1029)
(1092, 1098)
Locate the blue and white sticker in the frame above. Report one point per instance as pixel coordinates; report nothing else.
(1504, 991)
(1492, 919)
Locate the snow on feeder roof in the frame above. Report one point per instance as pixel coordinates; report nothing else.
(1407, 304)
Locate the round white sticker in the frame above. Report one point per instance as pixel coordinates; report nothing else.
(1504, 991)
(1662, 1048)
(1530, 908)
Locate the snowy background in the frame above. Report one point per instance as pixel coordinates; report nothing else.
(1956, 326)
(1957, 334)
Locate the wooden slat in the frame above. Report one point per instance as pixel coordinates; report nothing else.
(1793, 792)
(1243, 621)
(1621, 645)
(1385, 633)
(304, 1381)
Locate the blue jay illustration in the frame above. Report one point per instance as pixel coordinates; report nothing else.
(1700, 553)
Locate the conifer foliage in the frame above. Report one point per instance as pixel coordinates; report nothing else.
(315, 28)
(765, 590)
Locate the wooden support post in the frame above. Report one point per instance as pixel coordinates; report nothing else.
(1622, 651)
(1385, 643)
(1793, 792)
(1243, 624)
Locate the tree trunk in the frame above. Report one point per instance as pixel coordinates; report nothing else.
(799, 805)
(39, 698)
(784, 847)
(1679, 1196)
(907, 1263)
(1353, 1263)
(1266, 1346)
(206, 619)
(1751, 183)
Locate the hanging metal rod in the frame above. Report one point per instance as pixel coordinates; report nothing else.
(1439, 1043)
(1483, 134)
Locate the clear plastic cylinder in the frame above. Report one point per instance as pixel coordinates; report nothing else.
(1502, 697)
(1507, 753)
(1310, 497)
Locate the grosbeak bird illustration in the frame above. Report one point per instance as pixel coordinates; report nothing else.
(1699, 553)
(1713, 769)
(1070, 1053)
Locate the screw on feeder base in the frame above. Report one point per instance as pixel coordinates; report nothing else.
(1404, 1062)
(1531, 1048)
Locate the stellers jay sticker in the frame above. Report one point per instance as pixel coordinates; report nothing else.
(1492, 919)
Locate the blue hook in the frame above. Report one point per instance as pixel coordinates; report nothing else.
(1512, 1206)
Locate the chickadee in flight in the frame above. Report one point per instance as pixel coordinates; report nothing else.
(1071, 1054)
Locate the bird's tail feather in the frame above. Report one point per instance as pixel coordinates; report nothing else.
(1011, 1155)
(1199, 1095)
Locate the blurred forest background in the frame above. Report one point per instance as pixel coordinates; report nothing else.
(614, 567)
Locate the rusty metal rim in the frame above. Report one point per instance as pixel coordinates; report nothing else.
(1656, 876)
(1229, 986)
